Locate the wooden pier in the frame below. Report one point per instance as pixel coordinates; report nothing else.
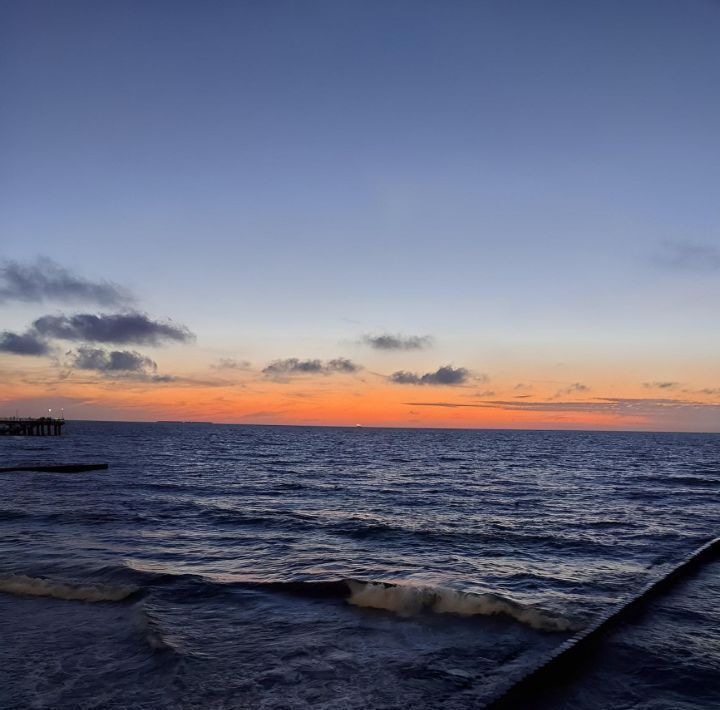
(42, 426)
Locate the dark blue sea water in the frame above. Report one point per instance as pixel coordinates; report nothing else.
(222, 566)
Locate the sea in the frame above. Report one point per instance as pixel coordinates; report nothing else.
(222, 566)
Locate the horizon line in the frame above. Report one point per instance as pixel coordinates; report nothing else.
(375, 426)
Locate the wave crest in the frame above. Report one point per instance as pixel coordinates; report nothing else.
(407, 600)
(22, 585)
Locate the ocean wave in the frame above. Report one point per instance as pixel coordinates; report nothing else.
(22, 585)
(690, 480)
(361, 529)
(409, 600)
(273, 519)
(403, 599)
(687, 479)
(151, 631)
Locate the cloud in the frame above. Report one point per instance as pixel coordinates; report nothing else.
(398, 342)
(689, 256)
(574, 388)
(620, 406)
(132, 327)
(29, 343)
(448, 405)
(118, 363)
(445, 375)
(341, 364)
(660, 385)
(294, 366)
(112, 360)
(228, 363)
(45, 280)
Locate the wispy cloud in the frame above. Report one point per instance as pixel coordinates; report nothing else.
(294, 366)
(131, 328)
(447, 405)
(45, 280)
(620, 406)
(660, 385)
(688, 256)
(228, 363)
(445, 375)
(28, 343)
(388, 341)
(574, 388)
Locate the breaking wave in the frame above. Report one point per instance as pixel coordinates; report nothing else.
(22, 585)
(407, 600)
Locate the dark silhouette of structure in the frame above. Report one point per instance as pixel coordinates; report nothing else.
(42, 426)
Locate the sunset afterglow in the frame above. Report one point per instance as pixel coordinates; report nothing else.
(198, 230)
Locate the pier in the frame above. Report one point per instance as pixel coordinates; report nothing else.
(42, 426)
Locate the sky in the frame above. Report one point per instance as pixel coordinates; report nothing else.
(499, 213)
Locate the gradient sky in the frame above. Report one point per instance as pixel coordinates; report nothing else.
(534, 185)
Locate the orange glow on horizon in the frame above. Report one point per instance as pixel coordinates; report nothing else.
(334, 403)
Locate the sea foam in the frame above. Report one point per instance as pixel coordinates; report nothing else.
(22, 585)
(408, 600)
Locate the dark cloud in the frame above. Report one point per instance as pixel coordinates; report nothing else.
(29, 343)
(292, 365)
(342, 364)
(46, 280)
(112, 361)
(228, 363)
(295, 366)
(445, 375)
(398, 342)
(134, 328)
(689, 256)
(172, 378)
(660, 385)
(125, 364)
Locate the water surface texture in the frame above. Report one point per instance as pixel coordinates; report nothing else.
(280, 567)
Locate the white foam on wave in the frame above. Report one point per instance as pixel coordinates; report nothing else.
(22, 585)
(407, 600)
